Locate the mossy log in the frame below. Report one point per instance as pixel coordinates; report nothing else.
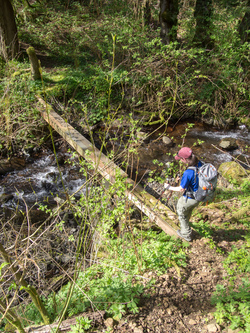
(159, 214)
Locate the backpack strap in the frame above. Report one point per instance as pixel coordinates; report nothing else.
(195, 171)
(189, 192)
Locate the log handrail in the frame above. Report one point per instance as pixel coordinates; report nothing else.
(159, 214)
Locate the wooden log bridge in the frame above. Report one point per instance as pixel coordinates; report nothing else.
(157, 213)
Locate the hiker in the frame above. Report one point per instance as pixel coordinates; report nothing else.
(189, 184)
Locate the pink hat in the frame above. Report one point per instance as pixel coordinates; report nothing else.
(184, 152)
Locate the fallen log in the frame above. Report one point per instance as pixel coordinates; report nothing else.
(95, 317)
(159, 214)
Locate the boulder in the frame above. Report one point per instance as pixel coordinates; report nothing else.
(233, 172)
(228, 144)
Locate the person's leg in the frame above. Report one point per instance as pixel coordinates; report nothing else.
(184, 211)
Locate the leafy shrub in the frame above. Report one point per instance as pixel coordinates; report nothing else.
(233, 303)
(233, 306)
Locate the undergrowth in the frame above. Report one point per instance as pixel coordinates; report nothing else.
(233, 300)
(104, 60)
(116, 281)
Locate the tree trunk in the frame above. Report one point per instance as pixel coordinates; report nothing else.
(9, 45)
(147, 13)
(203, 15)
(244, 25)
(169, 10)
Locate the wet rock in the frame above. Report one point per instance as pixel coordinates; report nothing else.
(62, 158)
(52, 175)
(12, 164)
(167, 141)
(48, 186)
(228, 144)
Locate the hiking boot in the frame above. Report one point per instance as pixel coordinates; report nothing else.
(187, 238)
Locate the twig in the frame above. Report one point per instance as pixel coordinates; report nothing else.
(236, 160)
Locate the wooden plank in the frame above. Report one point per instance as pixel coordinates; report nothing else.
(160, 215)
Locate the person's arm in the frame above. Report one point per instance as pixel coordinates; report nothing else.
(174, 188)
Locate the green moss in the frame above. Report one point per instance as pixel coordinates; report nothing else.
(233, 172)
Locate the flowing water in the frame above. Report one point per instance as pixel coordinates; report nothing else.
(209, 149)
(212, 139)
(41, 180)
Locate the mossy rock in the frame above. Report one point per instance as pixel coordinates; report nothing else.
(233, 172)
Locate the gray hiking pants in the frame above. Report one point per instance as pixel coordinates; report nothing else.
(184, 210)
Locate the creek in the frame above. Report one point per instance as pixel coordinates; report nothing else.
(40, 181)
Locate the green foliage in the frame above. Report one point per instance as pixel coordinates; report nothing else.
(241, 192)
(158, 252)
(203, 228)
(19, 119)
(233, 306)
(82, 324)
(233, 303)
(238, 260)
(246, 185)
(95, 60)
(115, 283)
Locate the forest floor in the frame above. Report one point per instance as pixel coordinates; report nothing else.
(181, 301)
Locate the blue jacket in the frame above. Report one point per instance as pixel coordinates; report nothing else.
(188, 181)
